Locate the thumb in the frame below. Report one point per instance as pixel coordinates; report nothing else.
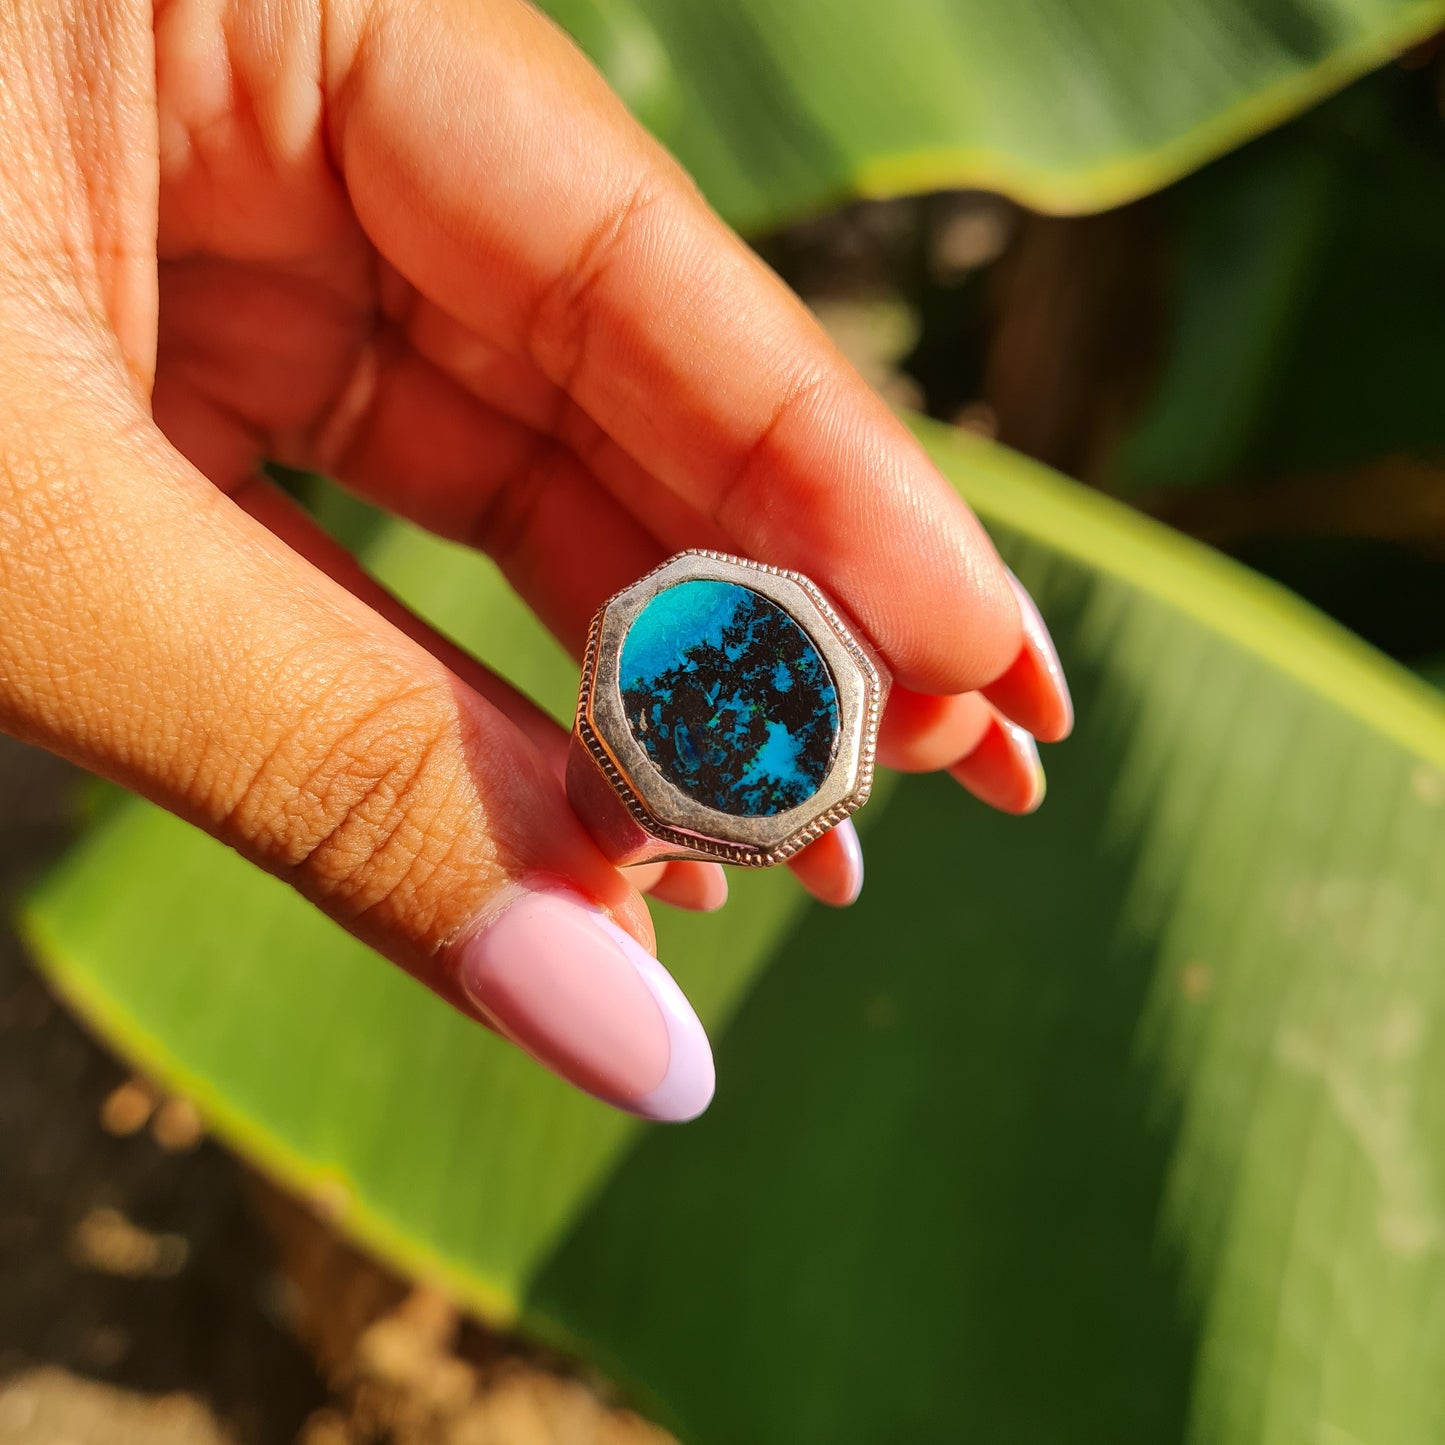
(154, 632)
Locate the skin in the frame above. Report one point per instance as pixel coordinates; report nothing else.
(423, 248)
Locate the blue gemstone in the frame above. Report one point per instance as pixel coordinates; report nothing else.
(729, 698)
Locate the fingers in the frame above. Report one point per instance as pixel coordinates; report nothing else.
(154, 632)
(428, 450)
(995, 759)
(456, 466)
(698, 886)
(449, 447)
(922, 733)
(494, 170)
(285, 520)
(988, 753)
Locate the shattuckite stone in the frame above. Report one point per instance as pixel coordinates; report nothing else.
(729, 698)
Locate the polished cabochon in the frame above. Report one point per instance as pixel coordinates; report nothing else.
(729, 698)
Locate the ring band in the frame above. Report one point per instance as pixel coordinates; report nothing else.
(726, 712)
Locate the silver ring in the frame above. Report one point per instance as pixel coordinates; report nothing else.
(727, 711)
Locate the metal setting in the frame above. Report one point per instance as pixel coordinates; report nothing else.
(635, 813)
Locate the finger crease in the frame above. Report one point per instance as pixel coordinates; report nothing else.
(502, 525)
(737, 488)
(558, 332)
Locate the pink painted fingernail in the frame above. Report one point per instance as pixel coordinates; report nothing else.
(1004, 770)
(579, 994)
(850, 869)
(1041, 644)
(1026, 747)
(699, 887)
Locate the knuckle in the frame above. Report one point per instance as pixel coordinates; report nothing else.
(363, 807)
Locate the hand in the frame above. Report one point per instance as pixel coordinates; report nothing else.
(423, 248)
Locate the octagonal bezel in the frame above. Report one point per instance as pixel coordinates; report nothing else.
(663, 809)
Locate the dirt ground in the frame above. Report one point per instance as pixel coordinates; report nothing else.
(155, 1292)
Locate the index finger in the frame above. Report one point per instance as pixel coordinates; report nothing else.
(494, 169)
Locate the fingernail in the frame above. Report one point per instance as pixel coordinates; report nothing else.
(1026, 746)
(832, 868)
(563, 982)
(1041, 644)
(850, 870)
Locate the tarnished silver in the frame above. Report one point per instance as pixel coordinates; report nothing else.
(635, 813)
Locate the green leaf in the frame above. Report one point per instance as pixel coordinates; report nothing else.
(1066, 107)
(1308, 272)
(1296, 418)
(1122, 1123)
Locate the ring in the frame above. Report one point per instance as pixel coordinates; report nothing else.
(726, 711)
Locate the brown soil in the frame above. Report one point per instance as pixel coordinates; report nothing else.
(154, 1292)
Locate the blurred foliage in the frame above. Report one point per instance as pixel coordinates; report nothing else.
(1307, 287)
(1252, 355)
(1060, 1134)
(1300, 396)
(780, 110)
(1122, 1124)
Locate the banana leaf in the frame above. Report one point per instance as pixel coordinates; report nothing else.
(1123, 1123)
(782, 109)
(1307, 273)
